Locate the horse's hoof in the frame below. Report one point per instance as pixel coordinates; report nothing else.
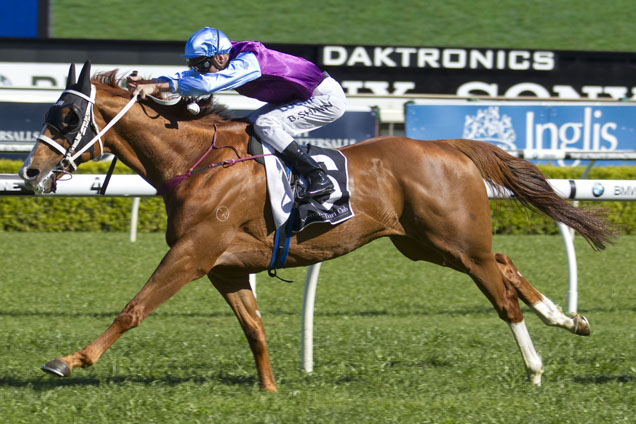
(535, 373)
(581, 325)
(57, 367)
(535, 379)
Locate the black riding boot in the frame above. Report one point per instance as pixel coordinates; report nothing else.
(303, 164)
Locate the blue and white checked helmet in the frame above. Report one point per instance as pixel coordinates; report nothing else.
(207, 42)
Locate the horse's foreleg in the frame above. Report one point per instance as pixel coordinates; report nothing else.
(545, 309)
(177, 268)
(238, 293)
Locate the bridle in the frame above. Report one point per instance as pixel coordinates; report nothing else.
(75, 132)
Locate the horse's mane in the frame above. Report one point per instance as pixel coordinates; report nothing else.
(110, 82)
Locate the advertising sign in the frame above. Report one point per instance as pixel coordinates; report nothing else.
(351, 128)
(538, 126)
(386, 70)
(24, 18)
(487, 72)
(20, 125)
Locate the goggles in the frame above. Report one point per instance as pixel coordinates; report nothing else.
(200, 64)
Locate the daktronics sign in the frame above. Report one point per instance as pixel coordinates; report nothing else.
(380, 70)
(412, 57)
(481, 72)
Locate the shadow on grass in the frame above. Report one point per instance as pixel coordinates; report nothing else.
(360, 313)
(412, 310)
(66, 314)
(611, 309)
(45, 383)
(605, 379)
(398, 312)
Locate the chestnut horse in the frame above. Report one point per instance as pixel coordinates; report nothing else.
(428, 197)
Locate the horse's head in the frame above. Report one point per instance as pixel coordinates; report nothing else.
(64, 142)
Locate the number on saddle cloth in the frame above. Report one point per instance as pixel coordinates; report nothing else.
(333, 208)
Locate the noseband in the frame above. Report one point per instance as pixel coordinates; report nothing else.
(75, 133)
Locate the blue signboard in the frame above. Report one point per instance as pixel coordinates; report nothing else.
(534, 126)
(352, 127)
(20, 125)
(24, 18)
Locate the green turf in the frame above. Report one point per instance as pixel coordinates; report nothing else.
(395, 341)
(540, 24)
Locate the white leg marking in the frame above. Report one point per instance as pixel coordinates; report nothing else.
(534, 365)
(551, 314)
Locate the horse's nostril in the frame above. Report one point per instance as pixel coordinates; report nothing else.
(32, 172)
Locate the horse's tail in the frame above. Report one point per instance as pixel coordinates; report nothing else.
(531, 189)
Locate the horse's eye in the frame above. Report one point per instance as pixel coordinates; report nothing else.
(52, 116)
(71, 119)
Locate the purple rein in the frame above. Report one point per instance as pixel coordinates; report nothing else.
(168, 186)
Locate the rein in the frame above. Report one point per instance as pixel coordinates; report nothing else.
(174, 182)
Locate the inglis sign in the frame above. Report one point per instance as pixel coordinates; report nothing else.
(532, 126)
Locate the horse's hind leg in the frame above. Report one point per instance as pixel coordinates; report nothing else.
(503, 296)
(238, 293)
(547, 311)
(483, 269)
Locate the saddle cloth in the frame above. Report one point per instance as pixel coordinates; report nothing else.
(335, 208)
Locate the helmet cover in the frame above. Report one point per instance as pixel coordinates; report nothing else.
(207, 42)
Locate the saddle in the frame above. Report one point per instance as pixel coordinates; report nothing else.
(333, 208)
(292, 214)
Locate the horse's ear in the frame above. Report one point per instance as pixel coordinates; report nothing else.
(84, 81)
(70, 80)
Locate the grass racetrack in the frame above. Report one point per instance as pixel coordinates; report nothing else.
(395, 341)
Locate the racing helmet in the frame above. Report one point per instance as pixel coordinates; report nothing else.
(207, 42)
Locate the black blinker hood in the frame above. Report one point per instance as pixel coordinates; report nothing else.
(83, 84)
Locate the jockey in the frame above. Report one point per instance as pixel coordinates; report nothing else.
(299, 97)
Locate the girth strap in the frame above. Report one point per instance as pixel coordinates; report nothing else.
(282, 240)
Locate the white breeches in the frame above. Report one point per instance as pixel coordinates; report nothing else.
(277, 125)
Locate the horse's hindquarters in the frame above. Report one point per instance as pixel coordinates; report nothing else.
(425, 190)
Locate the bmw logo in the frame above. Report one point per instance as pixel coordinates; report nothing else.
(598, 189)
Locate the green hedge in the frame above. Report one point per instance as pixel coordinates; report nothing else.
(113, 214)
(510, 218)
(78, 213)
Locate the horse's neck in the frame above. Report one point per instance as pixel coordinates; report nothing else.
(158, 151)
